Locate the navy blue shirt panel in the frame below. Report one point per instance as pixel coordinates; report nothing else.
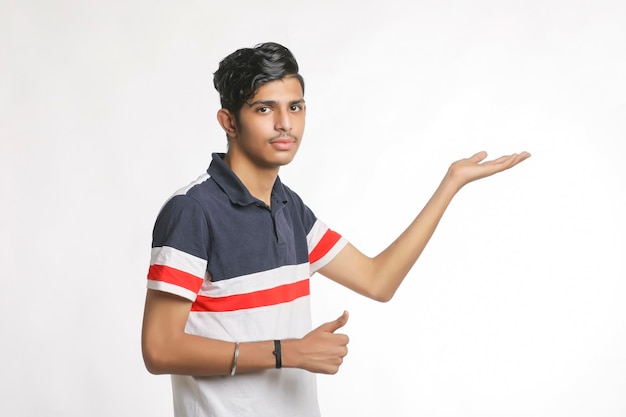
(220, 221)
(182, 225)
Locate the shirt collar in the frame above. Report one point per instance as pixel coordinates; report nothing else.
(232, 186)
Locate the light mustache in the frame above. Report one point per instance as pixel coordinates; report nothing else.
(284, 136)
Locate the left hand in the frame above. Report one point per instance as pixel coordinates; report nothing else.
(473, 168)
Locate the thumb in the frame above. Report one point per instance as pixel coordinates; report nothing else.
(333, 326)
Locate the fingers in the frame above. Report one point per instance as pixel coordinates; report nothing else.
(477, 157)
(508, 161)
(521, 157)
(498, 164)
(504, 158)
(322, 350)
(333, 326)
(507, 158)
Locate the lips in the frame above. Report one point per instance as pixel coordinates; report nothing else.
(283, 143)
(283, 138)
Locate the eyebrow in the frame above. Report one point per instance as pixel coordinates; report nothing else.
(273, 102)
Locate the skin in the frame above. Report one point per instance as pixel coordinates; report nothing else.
(267, 137)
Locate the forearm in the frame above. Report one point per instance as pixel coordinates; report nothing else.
(199, 356)
(379, 277)
(391, 266)
(382, 275)
(166, 351)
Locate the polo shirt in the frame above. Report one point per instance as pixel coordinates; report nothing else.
(246, 267)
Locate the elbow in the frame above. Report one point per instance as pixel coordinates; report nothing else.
(152, 363)
(154, 360)
(383, 298)
(381, 295)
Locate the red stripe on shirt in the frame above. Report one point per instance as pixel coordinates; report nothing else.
(324, 245)
(269, 297)
(175, 276)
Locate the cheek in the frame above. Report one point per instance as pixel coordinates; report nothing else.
(257, 133)
(300, 125)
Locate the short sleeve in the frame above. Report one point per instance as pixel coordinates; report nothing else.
(180, 247)
(324, 244)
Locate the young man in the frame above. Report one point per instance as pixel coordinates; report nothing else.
(227, 310)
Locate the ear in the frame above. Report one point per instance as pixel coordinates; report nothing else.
(227, 120)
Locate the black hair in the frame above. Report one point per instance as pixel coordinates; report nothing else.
(241, 73)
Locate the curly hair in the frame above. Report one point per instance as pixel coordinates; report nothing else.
(241, 73)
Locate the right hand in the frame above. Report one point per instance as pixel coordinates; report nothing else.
(475, 167)
(322, 350)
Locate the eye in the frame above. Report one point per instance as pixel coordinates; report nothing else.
(296, 107)
(263, 109)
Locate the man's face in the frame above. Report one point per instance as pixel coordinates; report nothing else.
(271, 124)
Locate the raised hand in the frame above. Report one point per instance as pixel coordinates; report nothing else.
(473, 168)
(322, 350)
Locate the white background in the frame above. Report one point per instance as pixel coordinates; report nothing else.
(516, 307)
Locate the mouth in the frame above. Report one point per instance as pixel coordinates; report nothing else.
(283, 143)
(283, 139)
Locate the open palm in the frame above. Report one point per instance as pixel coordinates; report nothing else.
(475, 167)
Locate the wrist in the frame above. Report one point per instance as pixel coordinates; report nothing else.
(450, 185)
(453, 178)
(288, 353)
(277, 352)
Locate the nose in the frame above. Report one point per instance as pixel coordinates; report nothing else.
(282, 123)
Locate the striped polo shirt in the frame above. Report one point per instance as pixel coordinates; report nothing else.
(246, 267)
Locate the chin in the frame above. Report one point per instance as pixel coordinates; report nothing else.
(284, 159)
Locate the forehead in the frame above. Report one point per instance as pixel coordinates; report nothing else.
(286, 89)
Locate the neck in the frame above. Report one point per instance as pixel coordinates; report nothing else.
(258, 181)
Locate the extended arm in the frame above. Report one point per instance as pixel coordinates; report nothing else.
(167, 349)
(379, 277)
